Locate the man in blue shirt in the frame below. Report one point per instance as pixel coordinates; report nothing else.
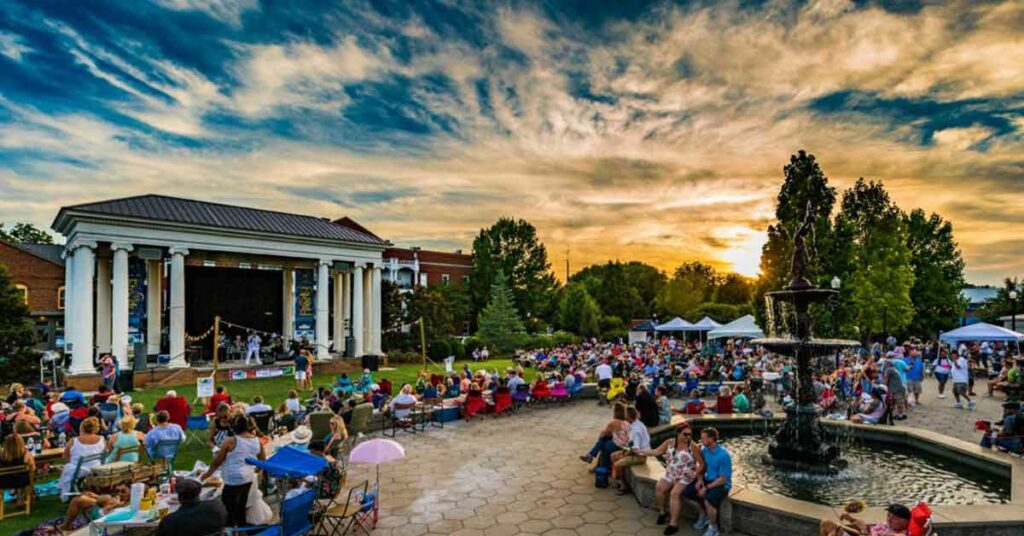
(717, 481)
(165, 430)
(915, 374)
(73, 398)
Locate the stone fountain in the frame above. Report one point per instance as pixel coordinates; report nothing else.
(801, 443)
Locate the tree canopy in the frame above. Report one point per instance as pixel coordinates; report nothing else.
(25, 233)
(499, 324)
(512, 247)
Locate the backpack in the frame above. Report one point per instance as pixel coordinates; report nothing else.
(601, 476)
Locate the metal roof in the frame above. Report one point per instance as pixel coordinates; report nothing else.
(164, 208)
(47, 252)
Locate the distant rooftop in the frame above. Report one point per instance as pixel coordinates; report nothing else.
(979, 295)
(47, 252)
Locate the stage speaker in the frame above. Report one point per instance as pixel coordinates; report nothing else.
(350, 347)
(139, 356)
(371, 362)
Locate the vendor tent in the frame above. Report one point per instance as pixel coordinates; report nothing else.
(676, 324)
(743, 327)
(638, 333)
(981, 332)
(706, 324)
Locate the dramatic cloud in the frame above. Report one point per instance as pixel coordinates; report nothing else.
(655, 132)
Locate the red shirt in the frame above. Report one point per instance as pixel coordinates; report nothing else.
(176, 407)
(215, 401)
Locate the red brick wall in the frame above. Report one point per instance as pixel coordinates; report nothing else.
(42, 277)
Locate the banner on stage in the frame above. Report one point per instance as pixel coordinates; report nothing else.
(305, 313)
(261, 373)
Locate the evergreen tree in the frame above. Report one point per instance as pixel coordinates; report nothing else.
(499, 324)
(938, 273)
(16, 334)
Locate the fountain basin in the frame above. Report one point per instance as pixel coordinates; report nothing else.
(753, 511)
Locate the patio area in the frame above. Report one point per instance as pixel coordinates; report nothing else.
(506, 476)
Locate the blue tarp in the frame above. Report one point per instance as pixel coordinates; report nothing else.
(290, 462)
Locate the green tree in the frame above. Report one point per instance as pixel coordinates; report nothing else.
(574, 297)
(392, 317)
(459, 303)
(647, 280)
(512, 246)
(701, 278)
(880, 285)
(17, 363)
(938, 273)
(590, 318)
(429, 304)
(734, 289)
(804, 183)
(25, 233)
(1002, 305)
(677, 298)
(610, 287)
(499, 324)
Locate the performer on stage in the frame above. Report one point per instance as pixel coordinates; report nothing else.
(253, 347)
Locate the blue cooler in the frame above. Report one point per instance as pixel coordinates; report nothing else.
(601, 476)
(447, 414)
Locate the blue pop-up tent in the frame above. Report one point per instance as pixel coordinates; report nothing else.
(290, 462)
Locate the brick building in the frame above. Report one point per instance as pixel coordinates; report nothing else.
(37, 270)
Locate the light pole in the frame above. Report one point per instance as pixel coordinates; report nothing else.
(836, 283)
(1013, 309)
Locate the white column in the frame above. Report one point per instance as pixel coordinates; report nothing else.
(368, 310)
(338, 324)
(346, 305)
(357, 310)
(119, 305)
(154, 291)
(288, 304)
(177, 284)
(69, 269)
(322, 311)
(375, 300)
(103, 305)
(81, 316)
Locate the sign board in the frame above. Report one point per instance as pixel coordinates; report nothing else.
(149, 254)
(343, 266)
(204, 387)
(262, 373)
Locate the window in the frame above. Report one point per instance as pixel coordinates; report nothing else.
(445, 278)
(465, 279)
(24, 292)
(60, 299)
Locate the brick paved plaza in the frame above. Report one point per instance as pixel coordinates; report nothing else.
(520, 474)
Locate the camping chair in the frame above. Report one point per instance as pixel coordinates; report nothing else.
(295, 518)
(352, 515)
(618, 387)
(262, 420)
(406, 423)
(320, 424)
(502, 401)
(432, 405)
(12, 472)
(360, 423)
(345, 387)
(559, 392)
(196, 425)
(77, 476)
(166, 450)
(576, 388)
(122, 451)
(520, 397)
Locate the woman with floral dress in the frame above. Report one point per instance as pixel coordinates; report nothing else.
(683, 465)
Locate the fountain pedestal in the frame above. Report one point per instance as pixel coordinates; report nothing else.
(801, 444)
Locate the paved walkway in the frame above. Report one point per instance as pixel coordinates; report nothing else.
(939, 415)
(506, 476)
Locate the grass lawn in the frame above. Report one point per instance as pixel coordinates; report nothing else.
(274, 392)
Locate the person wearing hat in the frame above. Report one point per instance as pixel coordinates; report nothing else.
(897, 519)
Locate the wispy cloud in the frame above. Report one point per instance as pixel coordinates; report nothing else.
(654, 133)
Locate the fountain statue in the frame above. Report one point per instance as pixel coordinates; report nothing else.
(801, 444)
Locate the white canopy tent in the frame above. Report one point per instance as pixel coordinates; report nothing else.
(981, 332)
(676, 324)
(743, 327)
(706, 324)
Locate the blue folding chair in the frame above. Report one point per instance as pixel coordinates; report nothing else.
(195, 426)
(295, 518)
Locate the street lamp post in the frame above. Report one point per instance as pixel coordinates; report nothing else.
(836, 283)
(1013, 310)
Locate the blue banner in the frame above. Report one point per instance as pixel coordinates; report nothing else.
(136, 299)
(305, 305)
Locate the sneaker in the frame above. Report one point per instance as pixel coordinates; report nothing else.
(958, 406)
(970, 405)
(670, 530)
(942, 396)
(712, 531)
(701, 522)
(662, 518)
(586, 458)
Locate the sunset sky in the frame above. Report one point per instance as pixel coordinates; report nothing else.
(649, 131)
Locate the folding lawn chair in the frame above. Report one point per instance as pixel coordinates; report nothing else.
(358, 513)
(295, 518)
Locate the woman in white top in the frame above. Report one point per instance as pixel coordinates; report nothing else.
(237, 475)
(88, 443)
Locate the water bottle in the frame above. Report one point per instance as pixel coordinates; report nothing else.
(30, 445)
(39, 447)
(62, 440)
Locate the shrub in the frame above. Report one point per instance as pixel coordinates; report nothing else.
(404, 356)
(614, 335)
(563, 337)
(458, 349)
(542, 341)
(439, 349)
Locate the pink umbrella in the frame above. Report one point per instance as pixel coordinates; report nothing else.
(377, 451)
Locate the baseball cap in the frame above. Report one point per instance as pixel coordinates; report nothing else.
(899, 511)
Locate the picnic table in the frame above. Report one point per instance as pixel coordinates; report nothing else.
(49, 455)
(142, 520)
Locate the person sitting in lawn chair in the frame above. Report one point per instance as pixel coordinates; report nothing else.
(344, 386)
(365, 381)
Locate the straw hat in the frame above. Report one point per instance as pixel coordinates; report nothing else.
(302, 435)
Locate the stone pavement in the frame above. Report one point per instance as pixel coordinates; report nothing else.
(506, 476)
(938, 414)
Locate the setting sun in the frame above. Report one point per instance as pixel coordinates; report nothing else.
(745, 254)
